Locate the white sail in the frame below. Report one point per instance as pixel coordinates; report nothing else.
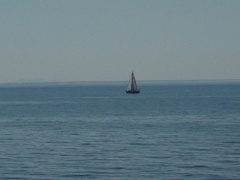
(132, 85)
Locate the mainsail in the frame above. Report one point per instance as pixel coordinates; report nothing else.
(132, 85)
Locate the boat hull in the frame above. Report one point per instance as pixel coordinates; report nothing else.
(133, 92)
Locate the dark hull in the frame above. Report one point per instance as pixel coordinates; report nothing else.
(132, 92)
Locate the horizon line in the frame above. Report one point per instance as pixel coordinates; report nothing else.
(112, 81)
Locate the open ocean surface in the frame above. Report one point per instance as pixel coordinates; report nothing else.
(170, 130)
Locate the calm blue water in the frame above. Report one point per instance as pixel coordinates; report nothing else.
(87, 131)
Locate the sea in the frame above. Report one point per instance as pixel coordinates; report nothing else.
(94, 130)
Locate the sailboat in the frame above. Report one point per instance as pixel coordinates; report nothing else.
(132, 85)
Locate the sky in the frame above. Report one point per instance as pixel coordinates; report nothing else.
(104, 40)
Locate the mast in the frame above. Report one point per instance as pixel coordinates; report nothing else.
(132, 81)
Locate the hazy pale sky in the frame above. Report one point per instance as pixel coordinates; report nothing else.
(91, 40)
